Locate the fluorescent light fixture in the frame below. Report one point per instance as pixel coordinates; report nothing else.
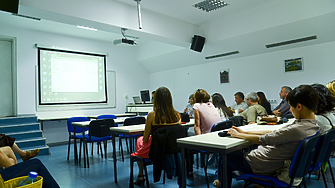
(210, 5)
(88, 28)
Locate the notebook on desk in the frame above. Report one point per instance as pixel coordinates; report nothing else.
(137, 100)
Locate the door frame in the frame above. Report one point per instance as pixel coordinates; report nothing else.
(13, 42)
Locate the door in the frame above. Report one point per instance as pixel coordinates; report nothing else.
(6, 78)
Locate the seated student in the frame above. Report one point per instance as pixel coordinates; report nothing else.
(153, 95)
(264, 102)
(324, 115)
(205, 114)
(254, 109)
(164, 114)
(283, 109)
(9, 141)
(240, 105)
(189, 108)
(275, 146)
(14, 169)
(221, 107)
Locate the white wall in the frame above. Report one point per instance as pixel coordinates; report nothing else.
(130, 77)
(264, 72)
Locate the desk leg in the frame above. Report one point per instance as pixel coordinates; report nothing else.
(114, 157)
(224, 178)
(75, 146)
(130, 144)
(183, 179)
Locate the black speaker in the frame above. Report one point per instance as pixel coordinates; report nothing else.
(9, 6)
(197, 43)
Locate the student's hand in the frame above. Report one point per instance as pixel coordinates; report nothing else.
(234, 132)
(240, 111)
(185, 110)
(233, 110)
(238, 129)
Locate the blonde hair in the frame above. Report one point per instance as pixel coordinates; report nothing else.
(331, 87)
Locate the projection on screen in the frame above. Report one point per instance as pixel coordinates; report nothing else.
(67, 77)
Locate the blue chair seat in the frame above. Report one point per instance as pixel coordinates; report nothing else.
(254, 178)
(97, 139)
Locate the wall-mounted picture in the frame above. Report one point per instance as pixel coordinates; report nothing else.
(292, 65)
(224, 76)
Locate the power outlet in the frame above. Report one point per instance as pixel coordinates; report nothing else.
(272, 101)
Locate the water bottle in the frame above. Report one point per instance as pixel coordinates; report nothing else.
(31, 179)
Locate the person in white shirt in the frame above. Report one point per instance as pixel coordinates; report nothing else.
(240, 105)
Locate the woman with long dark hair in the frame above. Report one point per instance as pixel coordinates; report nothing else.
(220, 104)
(264, 102)
(164, 114)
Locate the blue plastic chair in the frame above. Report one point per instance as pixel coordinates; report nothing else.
(299, 168)
(99, 131)
(78, 130)
(105, 116)
(322, 154)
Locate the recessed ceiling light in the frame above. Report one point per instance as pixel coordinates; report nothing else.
(210, 5)
(88, 28)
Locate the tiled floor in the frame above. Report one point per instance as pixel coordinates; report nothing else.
(100, 174)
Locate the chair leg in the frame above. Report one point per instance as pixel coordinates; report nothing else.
(127, 145)
(146, 173)
(100, 146)
(68, 148)
(88, 164)
(324, 177)
(105, 145)
(120, 140)
(92, 148)
(331, 172)
(80, 150)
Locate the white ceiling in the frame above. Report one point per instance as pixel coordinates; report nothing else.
(168, 26)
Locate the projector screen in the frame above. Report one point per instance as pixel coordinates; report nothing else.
(68, 77)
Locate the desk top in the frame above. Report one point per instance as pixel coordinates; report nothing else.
(212, 140)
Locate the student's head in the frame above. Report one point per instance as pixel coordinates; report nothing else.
(153, 94)
(191, 99)
(201, 96)
(251, 97)
(284, 91)
(303, 96)
(326, 100)
(331, 87)
(261, 97)
(239, 97)
(218, 100)
(165, 113)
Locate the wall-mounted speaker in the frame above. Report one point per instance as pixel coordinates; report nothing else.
(9, 6)
(197, 43)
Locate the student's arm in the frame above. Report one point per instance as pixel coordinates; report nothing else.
(246, 136)
(197, 129)
(148, 126)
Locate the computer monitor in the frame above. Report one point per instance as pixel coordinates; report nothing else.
(145, 96)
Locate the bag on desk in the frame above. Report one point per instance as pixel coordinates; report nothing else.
(185, 117)
(6, 140)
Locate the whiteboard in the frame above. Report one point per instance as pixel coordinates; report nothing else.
(111, 89)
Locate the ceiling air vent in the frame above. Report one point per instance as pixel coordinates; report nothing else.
(291, 41)
(221, 55)
(29, 17)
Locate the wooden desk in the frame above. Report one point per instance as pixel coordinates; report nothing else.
(131, 130)
(224, 145)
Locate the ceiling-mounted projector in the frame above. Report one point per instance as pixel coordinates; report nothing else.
(124, 42)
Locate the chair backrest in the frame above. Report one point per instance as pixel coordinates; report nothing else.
(237, 120)
(100, 128)
(76, 119)
(136, 120)
(222, 125)
(185, 117)
(106, 116)
(324, 147)
(164, 140)
(302, 158)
